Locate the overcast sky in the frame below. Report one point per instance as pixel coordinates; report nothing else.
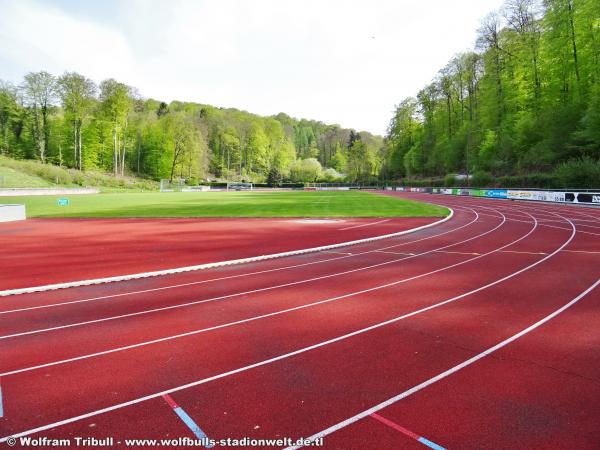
(346, 62)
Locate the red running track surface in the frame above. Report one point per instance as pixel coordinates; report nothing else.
(46, 251)
(481, 332)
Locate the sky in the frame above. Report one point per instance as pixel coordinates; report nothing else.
(338, 61)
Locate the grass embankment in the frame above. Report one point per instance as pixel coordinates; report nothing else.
(16, 173)
(228, 204)
(11, 178)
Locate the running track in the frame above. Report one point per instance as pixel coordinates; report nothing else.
(32, 250)
(480, 332)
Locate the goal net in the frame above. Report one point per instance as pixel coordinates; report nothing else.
(175, 185)
(238, 186)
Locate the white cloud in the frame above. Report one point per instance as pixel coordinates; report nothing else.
(344, 62)
(35, 37)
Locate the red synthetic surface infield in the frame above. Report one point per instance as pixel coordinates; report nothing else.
(479, 332)
(47, 251)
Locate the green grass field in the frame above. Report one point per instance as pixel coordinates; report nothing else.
(228, 204)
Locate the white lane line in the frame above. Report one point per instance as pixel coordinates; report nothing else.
(574, 214)
(563, 228)
(395, 253)
(524, 253)
(524, 221)
(545, 224)
(192, 283)
(338, 253)
(448, 372)
(237, 294)
(156, 273)
(581, 251)
(364, 225)
(251, 319)
(458, 253)
(284, 356)
(594, 227)
(510, 219)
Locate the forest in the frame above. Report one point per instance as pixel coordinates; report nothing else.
(524, 103)
(521, 108)
(72, 122)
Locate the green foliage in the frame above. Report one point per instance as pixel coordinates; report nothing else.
(50, 175)
(488, 151)
(331, 175)
(589, 135)
(275, 177)
(482, 179)
(413, 160)
(339, 161)
(579, 173)
(108, 128)
(526, 101)
(532, 180)
(450, 180)
(306, 170)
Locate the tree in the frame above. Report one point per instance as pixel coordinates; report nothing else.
(39, 89)
(77, 95)
(9, 116)
(115, 105)
(184, 145)
(162, 109)
(275, 177)
(305, 170)
(401, 134)
(339, 160)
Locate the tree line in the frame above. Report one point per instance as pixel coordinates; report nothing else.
(71, 121)
(526, 100)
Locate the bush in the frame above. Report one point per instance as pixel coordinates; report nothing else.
(425, 182)
(482, 179)
(450, 180)
(582, 173)
(305, 170)
(332, 175)
(535, 180)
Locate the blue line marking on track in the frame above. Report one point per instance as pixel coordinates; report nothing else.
(1, 404)
(192, 425)
(430, 444)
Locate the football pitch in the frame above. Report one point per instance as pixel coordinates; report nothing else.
(227, 204)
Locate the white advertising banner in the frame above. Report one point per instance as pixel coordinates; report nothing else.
(543, 196)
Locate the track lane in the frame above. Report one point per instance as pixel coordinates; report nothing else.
(304, 273)
(155, 244)
(367, 346)
(65, 340)
(254, 346)
(226, 273)
(539, 392)
(370, 366)
(335, 271)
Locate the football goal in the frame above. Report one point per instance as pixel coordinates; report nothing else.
(175, 185)
(239, 186)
